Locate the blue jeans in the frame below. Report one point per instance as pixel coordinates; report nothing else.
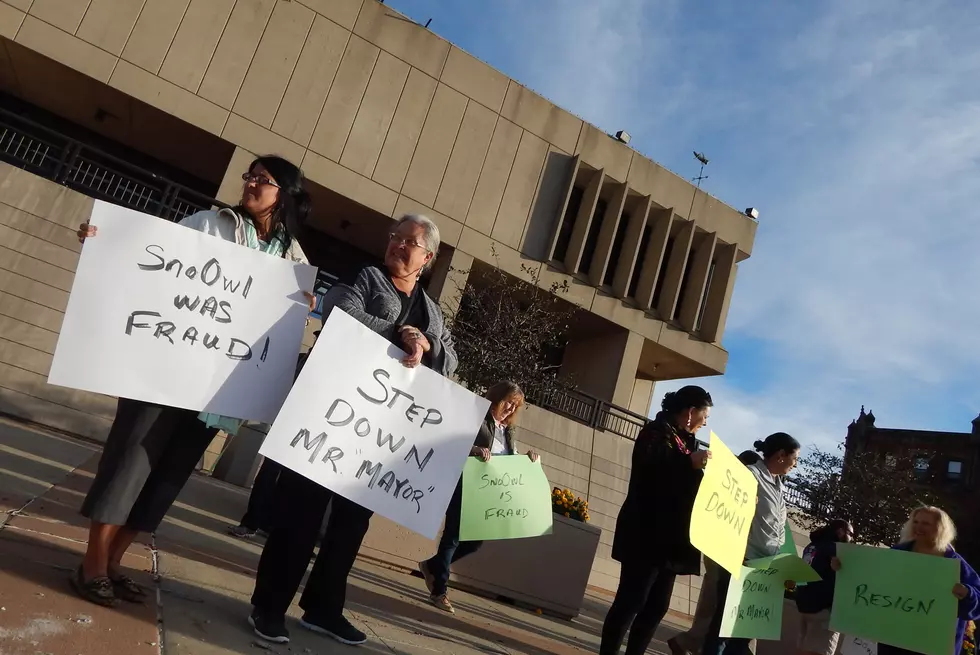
(450, 547)
(713, 644)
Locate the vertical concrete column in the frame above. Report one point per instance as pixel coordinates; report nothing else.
(642, 398)
(626, 379)
(607, 234)
(719, 293)
(674, 275)
(449, 275)
(583, 221)
(700, 266)
(230, 191)
(639, 209)
(652, 259)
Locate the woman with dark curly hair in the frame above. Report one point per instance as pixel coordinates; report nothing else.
(652, 539)
(151, 449)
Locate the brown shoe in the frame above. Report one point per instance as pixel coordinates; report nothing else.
(97, 590)
(430, 580)
(442, 602)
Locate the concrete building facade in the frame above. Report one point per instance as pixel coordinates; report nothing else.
(161, 104)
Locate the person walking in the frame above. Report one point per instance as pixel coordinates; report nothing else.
(652, 541)
(692, 640)
(152, 449)
(767, 532)
(814, 599)
(391, 302)
(930, 531)
(496, 437)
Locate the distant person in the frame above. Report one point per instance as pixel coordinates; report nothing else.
(814, 599)
(151, 449)
(767, 532)
(496, 437)
(692, 640)
(389, 301)
(930, 531)
(652, 540)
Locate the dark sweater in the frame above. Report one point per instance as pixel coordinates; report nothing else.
(817, 596)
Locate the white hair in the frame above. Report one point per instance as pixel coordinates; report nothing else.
(946, 532)
(431, 230)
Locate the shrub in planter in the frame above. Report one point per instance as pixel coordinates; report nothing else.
(564, 502)
(970, 640)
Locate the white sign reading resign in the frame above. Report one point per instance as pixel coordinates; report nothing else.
(166, 314)
(390, 438)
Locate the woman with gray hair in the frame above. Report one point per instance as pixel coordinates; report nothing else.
(389, 301)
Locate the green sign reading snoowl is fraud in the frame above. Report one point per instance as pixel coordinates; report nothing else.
(508, 497)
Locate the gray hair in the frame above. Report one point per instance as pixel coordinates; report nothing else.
(432, 238)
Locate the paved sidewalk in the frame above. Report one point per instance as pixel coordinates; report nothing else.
(201, 579)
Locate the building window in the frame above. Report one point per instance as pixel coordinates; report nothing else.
(640, 260)
(592, 240)
(921, 467)
(568, 224)
(617, 250)
(954, 469)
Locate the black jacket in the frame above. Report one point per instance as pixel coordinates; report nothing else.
(815, 597)
(654, 523)
(484, 438)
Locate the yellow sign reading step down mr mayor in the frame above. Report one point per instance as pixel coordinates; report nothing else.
(724, 508)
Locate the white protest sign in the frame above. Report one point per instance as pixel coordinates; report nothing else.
(390, 438)
(165, 314)
(856, 646)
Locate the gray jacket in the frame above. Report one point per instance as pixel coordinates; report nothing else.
(768, 530)
(373, 300)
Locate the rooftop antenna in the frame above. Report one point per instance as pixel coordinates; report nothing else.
(701, 176)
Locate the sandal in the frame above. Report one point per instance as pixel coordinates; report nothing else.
(97, 590)
(127, 589)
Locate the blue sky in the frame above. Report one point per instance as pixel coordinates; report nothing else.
(854, 127)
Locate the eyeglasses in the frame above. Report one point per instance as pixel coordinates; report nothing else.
(258, 179)
(403, 241)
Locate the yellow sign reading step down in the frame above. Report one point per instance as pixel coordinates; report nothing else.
(724, 508)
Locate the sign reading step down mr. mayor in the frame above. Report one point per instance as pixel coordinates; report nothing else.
(390, 438)
(166, 314)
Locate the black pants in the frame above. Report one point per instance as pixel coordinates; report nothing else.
(451, 549)
(642, 600)
(262, 499)
(300, 506)
(713, 644)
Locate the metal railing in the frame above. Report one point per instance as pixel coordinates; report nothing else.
(88, 170)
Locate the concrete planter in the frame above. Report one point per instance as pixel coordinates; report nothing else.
(548, 573)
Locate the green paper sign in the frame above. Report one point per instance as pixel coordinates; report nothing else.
(897, 598)
(790, 567)
(754, 605)
(789, 545)
(508, 497)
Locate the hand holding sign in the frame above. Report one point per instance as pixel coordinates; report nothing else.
(724, 508)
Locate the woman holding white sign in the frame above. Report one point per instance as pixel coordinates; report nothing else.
(767, 533)
(652, 539)
(496, 437)
(391, 302)
(930, 531)
(152, 450)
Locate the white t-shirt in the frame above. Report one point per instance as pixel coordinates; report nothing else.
(499, 445)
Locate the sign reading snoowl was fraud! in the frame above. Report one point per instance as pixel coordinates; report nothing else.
(724, 508)
(754, 605)
(390, 438)
(506, 498)
(166, 314)
(896, 597)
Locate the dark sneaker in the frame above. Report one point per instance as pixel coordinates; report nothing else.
(241, 532)
(676, 648)
(97, 590)
(268, 628)
(338, 628)
(430, 580)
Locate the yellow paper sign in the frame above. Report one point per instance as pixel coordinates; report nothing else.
(724, 508)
